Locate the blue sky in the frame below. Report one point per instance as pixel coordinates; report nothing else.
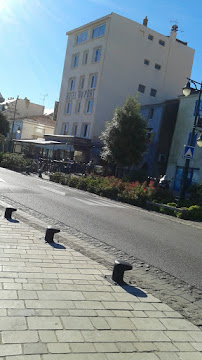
(33, 37)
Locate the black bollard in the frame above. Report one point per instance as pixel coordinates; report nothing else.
(50, 234)
(118, 270)
(8, 213)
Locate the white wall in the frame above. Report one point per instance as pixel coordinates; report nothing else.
(121, 69)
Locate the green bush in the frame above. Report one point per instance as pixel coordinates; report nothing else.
(16, 162)
(196, 194)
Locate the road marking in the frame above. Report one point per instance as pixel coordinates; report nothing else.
(2, 180)
(98, 203)
(53, 190)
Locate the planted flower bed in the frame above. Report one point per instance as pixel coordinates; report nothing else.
(144, 194)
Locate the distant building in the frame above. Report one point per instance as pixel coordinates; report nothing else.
(18, 108)
(113, 57)
(183, 128)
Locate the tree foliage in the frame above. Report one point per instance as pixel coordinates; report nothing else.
(125, 136)
(4, 124)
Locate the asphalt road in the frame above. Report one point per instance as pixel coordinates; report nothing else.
(165, 242)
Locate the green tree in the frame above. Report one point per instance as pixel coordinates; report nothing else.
(4, 124)
(125, 136)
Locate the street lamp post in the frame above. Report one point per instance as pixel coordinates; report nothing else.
(11, 139)
(187, 91)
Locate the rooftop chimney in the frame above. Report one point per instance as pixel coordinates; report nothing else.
(145, 21)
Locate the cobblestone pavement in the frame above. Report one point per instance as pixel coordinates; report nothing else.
(56, 304)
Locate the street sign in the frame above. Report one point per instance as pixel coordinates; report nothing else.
(188, 151)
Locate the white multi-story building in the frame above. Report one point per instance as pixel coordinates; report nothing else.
(113, 57)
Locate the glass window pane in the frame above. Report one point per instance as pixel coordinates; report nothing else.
(98, 31)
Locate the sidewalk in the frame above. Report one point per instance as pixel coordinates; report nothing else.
(55, 304)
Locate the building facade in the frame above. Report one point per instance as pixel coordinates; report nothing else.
(19, 108)
(113, 57)
(183, 128)
(161, 120)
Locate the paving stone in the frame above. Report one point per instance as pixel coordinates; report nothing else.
(165, 346)
(183, 346)
(21, 312)
(178, 324)
(94, 305)
(117, 323)
(32, 286)
(69, 336)
(145, 347)
(76, 357)
(135, 356)
(43, 312)
(196, 335)
(100, 323)
(64, 312)
(148, 324)
(10, 349)
(190, 355)
(151, 336)
(82, 348)
(197, 346)
(8, 294)
(105, 313)
(62, 295)
(126, 347)
(106, 347)
(180, 336)
(40, 323)
(108, 336)
(98, 296)
(117, 305)
(51, 304)
(27, 294)
(12, 286)
(139, 314)
(47, 336)
(76, 312)
(77, 323)
(38, 348)
(167, 356)
(143, 306)
(13, 323)
(15, 337)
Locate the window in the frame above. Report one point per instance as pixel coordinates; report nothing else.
(85, 130)
(85, 57)
(153, 92)
(74, 129)
(89, 107)
(81, 37)
(75, 60)
(150, 37)
(93, 81)
(69, 107)
(96, 55)
(98, 31)
(78, 107)
(141, 88)
(151, 113)
(161, 42)
(146, 62)
(72, 84)
(157, 66)
(81, 82)
(65, 129)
